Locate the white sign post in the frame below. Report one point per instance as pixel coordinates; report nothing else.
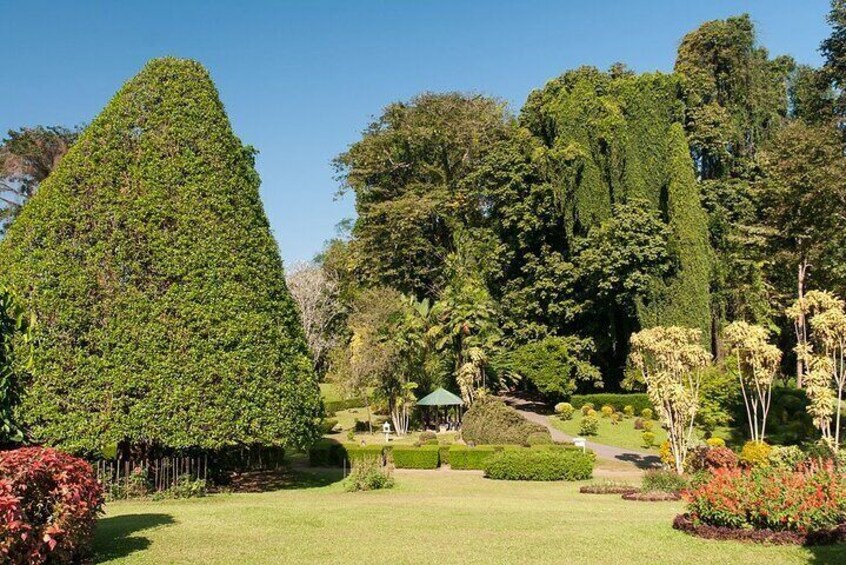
(580, 442)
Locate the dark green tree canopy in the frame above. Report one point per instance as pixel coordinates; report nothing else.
(148, 260)
(735, 94)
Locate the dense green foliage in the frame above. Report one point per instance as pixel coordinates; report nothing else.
(15, 362)
(148, 260)
(490, 421)
(554, 365)
(540, 465)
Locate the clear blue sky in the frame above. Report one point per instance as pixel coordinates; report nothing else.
(300, 80)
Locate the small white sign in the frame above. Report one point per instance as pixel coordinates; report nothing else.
(580, 442)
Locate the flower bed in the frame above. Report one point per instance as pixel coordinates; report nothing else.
(809, 502)
(608, 488)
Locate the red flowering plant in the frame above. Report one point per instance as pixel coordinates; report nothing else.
(49, 502)
(808, 499)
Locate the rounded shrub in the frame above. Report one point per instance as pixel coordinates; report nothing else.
(628, 411)
(49, 502)
(658, 480)
(755, 454)
(539, 438)
(368, 474)
(647, 425)
(715, 442)
(720, 458)
(564, 410)
(646, 413)
(607, 411)
(638, 423)
(589, 426)
(648, 439)
(615, 418)
(587, 407)
(427, 435)
(787, 456)
(540, 465)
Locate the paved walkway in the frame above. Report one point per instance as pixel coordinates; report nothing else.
(539, 414)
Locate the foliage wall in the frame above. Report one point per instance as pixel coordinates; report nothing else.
(147, 258)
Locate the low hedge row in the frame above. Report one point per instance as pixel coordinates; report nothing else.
(331, 453)
(410, 457)
(540, 465)
(338, 405)
(637, 400)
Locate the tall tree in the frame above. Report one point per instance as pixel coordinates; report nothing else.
(148, 261)
(409, 174)
(27, 157)
(802, 197)
(736, 97)
(734, 93)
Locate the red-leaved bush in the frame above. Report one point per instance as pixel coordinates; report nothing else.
(720, 458)
(808, 499)
(49, 502)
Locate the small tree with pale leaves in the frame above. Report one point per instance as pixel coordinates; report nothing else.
(824, 355)
(670, 361)
(757, 364)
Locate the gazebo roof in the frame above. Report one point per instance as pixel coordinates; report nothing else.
(440, 397)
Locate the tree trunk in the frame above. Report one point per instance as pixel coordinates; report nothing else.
(801, 330)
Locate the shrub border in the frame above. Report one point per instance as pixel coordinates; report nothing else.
(684, 523)
(652, 496)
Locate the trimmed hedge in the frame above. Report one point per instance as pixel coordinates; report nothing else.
(334, 406)
(409, 457)
(465, 458)
(637, 400)
(443, 454)
(331, 453)
(539, 465)
(326, 453)
(355, 453)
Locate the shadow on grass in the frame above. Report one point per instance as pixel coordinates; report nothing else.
(116, 537)
(286, 479)
(827, 554)
(640, 461)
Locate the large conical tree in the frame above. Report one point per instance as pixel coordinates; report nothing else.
(147, 258)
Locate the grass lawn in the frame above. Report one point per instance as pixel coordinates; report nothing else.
(622, 435)
(431, 516)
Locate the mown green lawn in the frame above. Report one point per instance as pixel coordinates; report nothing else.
(430, 517)
(621, 435)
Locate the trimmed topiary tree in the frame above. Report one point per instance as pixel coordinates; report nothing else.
(147, 258)
(491, 421)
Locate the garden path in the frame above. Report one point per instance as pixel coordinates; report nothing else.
(538, 413)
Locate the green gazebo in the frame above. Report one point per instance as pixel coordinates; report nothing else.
(442, 398)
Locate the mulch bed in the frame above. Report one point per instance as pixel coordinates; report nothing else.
(656, 496)
(684, 523)
(600, 489)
